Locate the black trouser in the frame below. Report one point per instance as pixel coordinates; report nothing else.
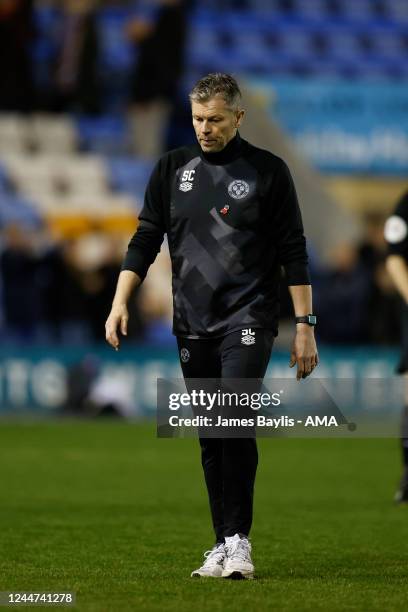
(229, 464)
(402, 368)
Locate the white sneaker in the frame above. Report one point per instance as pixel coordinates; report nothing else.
(213, 564)
(238, 563)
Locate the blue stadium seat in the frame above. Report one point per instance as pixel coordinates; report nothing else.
(117, 53)
(204, 45)
(358, 10)
(43, 47)
(15, 209)
(45, 21)
(296, 42)
(397, 11)
(107, 134)
(252, 45)
(5, 182)
(129, 175)
(313, 10)
(342, 43)
(390, 44)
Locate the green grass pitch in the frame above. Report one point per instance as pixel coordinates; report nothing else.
(109, 511)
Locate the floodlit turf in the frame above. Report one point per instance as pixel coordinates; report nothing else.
(107, 510)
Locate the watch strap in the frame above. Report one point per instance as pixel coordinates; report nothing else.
(309, 319)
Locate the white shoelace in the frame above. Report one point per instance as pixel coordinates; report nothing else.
(240, 550)
(214, 556)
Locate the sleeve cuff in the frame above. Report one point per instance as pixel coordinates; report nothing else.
(297, 273)
(134, 261)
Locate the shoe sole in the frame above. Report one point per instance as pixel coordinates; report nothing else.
(196, 575)
(239, 576)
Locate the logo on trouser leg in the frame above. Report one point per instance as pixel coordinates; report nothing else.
(248, 337)
(184, 355)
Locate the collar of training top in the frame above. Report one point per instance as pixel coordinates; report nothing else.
(230, 152)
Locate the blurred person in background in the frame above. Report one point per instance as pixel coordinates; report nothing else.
(342, 295)
(74, 326)
(76, 85)
(90, 266)
(16, 35)
(21, 291)
(158, 32)
(68, 285)
(396, 235)
(382, 317)
(101, 259)
(355, 298)
(232, 218)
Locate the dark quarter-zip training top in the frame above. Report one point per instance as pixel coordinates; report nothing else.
(232, 219)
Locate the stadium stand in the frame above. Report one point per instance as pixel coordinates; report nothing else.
(326, 38)
(329, 38)
(44, 172)
(107, 135)
(76, 172)
(13, 135)
(359, 38)
(53, 134)
(129, 175)
(18, 210)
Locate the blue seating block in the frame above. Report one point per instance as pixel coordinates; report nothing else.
(117, 54)
(129, 175)
(107, 134)
(5, 183)
(15, 209)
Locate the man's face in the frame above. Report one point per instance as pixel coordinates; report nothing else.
(215, 123)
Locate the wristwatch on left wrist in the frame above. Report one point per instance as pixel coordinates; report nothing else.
(309, 319)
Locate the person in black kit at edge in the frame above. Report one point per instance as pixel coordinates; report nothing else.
(232, 219)
(396, 236)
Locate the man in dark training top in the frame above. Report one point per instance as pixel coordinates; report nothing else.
(232, 219)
